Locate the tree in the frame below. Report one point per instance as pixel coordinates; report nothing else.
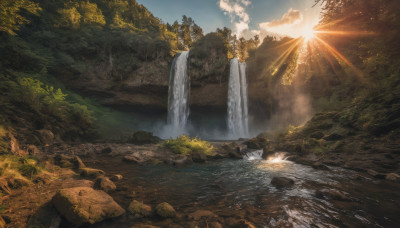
(197, 32)
(10, 14)
(242, 49)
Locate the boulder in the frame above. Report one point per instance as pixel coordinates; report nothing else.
(143, 137)
(198, 156)
(165, 210)
(45, 216)
(83, 205)
(257, 143)
(106, 150)
(282, 182)
(197, 215)
(91, 173)
(139, 209)
(331, 194)
(64, 161)
(45, 136)
(105, 184)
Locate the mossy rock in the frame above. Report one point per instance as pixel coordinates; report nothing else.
(91, 173)
(143, 137)
(139, 209)
(165, 210)
(256, 143)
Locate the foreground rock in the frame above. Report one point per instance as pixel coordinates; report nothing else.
(45, 216)
(331, 194)
(165, 210)
(105, 184)
(197, 215)
(82, 205)
(282, 182)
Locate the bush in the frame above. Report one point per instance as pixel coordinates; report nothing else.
(28, 170)
(186, 145)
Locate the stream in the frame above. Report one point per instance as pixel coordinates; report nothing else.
(242, 188)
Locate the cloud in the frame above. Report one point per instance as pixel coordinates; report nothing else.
(236, 9)
(290, 18)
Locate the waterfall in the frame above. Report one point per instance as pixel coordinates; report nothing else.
(237, 118)
(178, 95)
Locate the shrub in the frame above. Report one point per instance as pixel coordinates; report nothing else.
(186, 145)
(28, 170)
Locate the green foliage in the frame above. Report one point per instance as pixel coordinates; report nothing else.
(186, 145)
(28, 170)
(10, 14)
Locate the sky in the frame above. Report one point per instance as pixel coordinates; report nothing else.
(246, 18)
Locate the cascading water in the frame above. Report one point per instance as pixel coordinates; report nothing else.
(178, 96)
(237, 118)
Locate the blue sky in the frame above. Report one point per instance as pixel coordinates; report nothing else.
(244, 17)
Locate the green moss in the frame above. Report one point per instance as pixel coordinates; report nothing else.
(186, 145)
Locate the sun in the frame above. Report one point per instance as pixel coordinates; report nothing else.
(308, 33)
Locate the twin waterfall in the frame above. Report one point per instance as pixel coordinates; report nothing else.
(178, 95)
(237, 118)
(178, 99)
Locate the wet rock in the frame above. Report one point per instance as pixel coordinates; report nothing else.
(376, 174)
(82, 205)
(282, 182)
(46, 136)
(105, 184)
(165, 210)
(197, 215)
(45, 216)
(392, 177)
(232, 150)
(91, 173)
(331, 194)
(116, 178)
(143, 137)
(78, 163)
(198, 156)
(139, 209)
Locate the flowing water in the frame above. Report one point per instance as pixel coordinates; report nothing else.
(178, 96)
(242, 188)
(237, 118)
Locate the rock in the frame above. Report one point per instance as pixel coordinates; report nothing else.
(331, 194)
(376, 174)
(231, 150)
(45, 216)
(82, 205)
(392, 177)
(144, 226)
(143, 137)
(257, 143)
(2, 222)
(105, 184)
(282, 182)
(106, 150)
(91, 173)
(63, 161)
(198, 156)
(116, 178)
(197, 215)
(135, 159)
(234, 154)
(243, 224)
(78, 164)
(46, 136)
(165, 210)
(139, 209)
(215, 225)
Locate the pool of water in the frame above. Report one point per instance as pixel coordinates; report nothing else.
(243, 189)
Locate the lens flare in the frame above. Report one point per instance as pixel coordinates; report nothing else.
(308, 34)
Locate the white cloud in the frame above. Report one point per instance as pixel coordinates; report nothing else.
(236, 9)
(290, 18)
